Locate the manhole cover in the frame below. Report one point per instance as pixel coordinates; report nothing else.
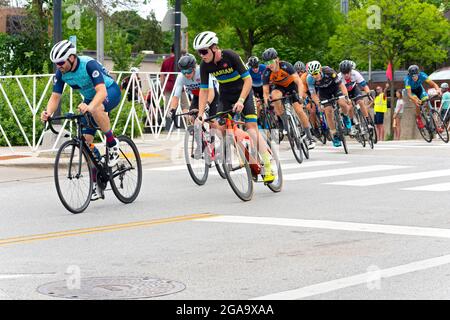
(113, 288)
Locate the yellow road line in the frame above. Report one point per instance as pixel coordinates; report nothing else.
(130, 155)
(109, 228)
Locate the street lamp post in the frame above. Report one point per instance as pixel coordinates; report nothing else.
(177, 32)
(370, 61)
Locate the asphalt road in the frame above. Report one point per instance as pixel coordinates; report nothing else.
(373, 224)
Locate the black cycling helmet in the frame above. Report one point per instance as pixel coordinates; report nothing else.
(269, 54)
(345, 66)
(187, 61)
(300, 66)
(413, 69)
(253, 62)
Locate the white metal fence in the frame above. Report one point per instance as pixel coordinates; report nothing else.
(143, 90)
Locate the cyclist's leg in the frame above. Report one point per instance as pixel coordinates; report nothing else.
(250, 118)
(275, 94)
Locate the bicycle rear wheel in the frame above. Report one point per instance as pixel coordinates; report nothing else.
(373, 131)
(277, 184)
(440, 126)
(73, 177)
(126, 175)
(237, 169)
(195, 157)
(340, 131)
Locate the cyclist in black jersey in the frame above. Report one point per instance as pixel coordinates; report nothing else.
(235, 88)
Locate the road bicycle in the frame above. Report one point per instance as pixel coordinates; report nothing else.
(364, 133)
(77, 168)
(432, 122)
(295, 131)
(338, 119)
(242, 162)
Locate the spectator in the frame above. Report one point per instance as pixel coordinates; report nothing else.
(445, 102)
(398, 114)
(380, 108)
(168, 65)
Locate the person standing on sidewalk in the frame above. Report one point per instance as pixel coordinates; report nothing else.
(445, 102)
(380, 108)
(398, 114)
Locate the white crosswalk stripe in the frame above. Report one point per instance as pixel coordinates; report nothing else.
(393, 178)
(438, 187)
(340, 172)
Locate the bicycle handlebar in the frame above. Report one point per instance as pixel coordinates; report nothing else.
(332, 99)
(68, 116)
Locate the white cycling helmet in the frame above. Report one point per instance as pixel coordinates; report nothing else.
(444, 85)
(205, 40)
(313, 66)
(62, 51)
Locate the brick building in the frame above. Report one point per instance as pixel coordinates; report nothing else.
(10, 19)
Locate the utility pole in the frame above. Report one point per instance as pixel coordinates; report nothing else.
(177, 32)
(57, 35)
(100, 33)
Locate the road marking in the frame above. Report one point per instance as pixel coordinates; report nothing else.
(363, 278)
(170, 168)
(25, 275)
(335, 225)
(340, 172)
(439, 187)
(109, 228)
(393, 178)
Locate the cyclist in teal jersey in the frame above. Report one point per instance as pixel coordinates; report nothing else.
(100, 92)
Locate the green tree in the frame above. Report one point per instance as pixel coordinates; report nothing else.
(300, 24)
(404, 30)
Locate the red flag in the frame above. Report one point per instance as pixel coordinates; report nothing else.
(389, 72)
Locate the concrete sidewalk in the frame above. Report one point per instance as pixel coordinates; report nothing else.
(163, 150)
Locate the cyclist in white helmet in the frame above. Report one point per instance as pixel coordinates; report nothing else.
(101, 94)
(325, 83)
(235, 88)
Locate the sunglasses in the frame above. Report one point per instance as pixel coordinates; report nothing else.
(203, 52)
(315, 73)
(187, 71)
(60, 64)
(267, 63)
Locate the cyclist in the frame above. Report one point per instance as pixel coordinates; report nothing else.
(300, 68)
(352, 79)
(445, 103)
(325, 83)
(415, 90)
(280, 79)
(190, 80)
(235, 88)
(101, 94)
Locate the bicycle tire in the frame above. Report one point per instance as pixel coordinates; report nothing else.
(361, 136)
(198, 176)
(444, 134)
(373, 131)
(340, 130)
(369, 135)
(124, 171)
(60, 169)
(231, 147)
(277, 184)
(295, 142)
(425, 132)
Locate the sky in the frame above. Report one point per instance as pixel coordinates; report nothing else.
(159, 6)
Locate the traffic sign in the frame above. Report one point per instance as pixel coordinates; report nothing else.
(168, 22)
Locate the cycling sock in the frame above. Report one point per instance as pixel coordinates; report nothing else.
(110, 138)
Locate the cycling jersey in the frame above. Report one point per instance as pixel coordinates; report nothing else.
(229, 72)
(192, 86)
(257, 76)
(413, 85)
(282, 78)
(87, 75)
(330, 81)
(355, 79)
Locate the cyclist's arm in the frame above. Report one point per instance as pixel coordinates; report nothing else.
(299, 83)
(315, 98)
(99, 97)
(433, 84)
(177, 93)
(53, 103)
(266, 93)
(204, 87)
(343, 89)
(239, 66)
(211, 87)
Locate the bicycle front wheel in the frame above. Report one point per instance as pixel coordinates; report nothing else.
(295, 142)
(237, 169)
(425, 131)
(195, 157)
(126, 175)
(440, 127)
(277, 184)
(73, 177)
